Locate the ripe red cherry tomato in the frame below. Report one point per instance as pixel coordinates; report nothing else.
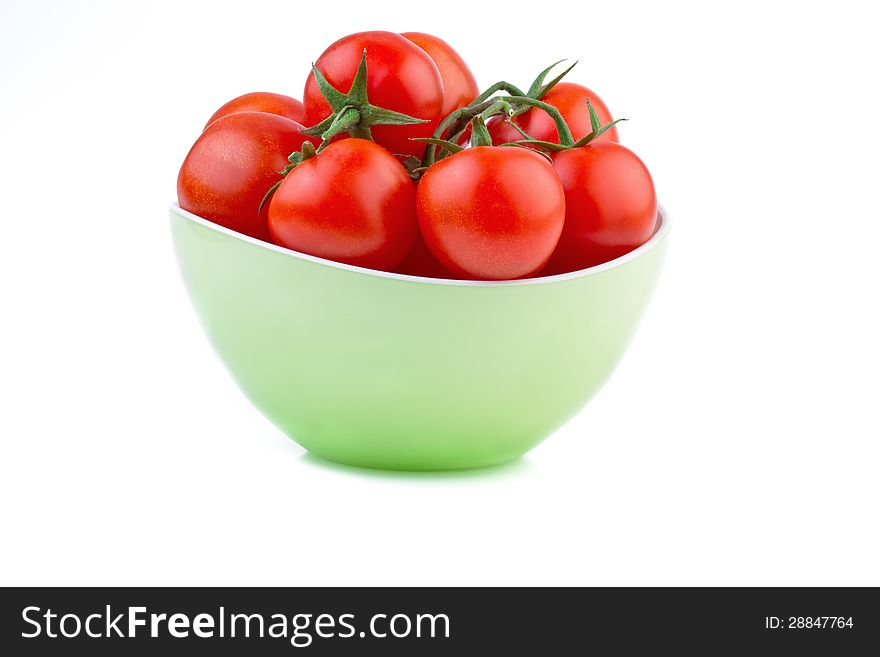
(420, 262)
(571, 101)
(490, 212)
(232, 165)
(400, 77)
(354, 203)
(611, 205)
(459, 85)
(263, 101)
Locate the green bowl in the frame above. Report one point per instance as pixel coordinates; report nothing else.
(400, 372)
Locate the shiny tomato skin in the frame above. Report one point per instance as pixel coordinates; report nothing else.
(459, 84)
(400, 77)
(611, 205)
(232, 165)
(421, 262)
(353, 203)
(263, 101)
(491, 213)
(571, 101)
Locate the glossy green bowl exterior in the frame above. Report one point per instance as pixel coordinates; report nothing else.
(400, 372)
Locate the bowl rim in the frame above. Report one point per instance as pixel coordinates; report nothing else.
(658, 236)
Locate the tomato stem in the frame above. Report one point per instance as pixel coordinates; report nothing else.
(463, 115)
(528, 148)
(595, 125)
(308, 151)
(348, 119)
(565, 136)
(479, 134)
(510, 89)
(538, 89)
(486, 105)
(597, 130)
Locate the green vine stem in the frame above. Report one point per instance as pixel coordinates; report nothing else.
(538, 89)
(506, 87)
(505, 105)
(562, 130)
(308, 151)
(517, 144)
(456, 124)
(463, 115)
(479, 134)
(596, 130)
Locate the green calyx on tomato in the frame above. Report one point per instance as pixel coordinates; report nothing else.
(297, 157)
(352, 112)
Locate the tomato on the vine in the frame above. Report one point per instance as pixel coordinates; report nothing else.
(490, 212)
(611, 205)
(234, 161)
(421, 262)
(353, 202)
(459, 84)
(263, 101)
(571, 101)
(402, 77)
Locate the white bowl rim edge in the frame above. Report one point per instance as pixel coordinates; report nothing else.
(656, 238)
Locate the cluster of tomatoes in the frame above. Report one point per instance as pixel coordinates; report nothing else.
(406, 166)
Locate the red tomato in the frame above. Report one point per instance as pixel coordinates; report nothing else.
(420, 262)
(232, 165)
(459, 85)
(354, 203)
(491, 213)
(400, 77)
(571, 101)
(611, 206)
(263, 101)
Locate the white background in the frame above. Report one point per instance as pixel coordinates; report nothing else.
(737, 443)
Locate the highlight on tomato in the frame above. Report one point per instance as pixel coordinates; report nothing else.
(611, 205)
(459, 84)
(353, 202)
(263, 101)
(403, 79)
(490, 212)
(231, 165)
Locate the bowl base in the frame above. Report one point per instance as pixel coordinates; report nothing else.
(380, 464)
